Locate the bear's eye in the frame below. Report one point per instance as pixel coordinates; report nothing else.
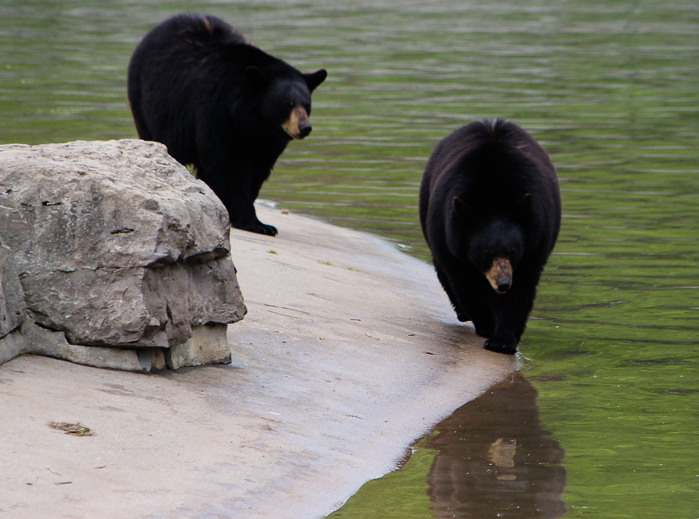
(291, 104)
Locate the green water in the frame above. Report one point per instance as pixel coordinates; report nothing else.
(611, 90)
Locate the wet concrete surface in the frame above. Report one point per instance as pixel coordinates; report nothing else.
(349, 352)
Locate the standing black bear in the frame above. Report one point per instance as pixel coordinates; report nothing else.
(490, 210)
(219, 103)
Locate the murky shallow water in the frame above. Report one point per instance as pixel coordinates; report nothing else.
(610, 89)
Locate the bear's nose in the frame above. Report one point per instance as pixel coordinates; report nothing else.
(503, 286)
(305, 130)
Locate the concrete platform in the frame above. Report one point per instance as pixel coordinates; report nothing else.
(349, 352)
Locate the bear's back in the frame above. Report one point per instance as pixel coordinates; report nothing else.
(490, 166)
(201, 30)
(496, 162)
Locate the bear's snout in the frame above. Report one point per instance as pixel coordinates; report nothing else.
(503, 287)
(500, 275)
(305, 130)
(297, 126)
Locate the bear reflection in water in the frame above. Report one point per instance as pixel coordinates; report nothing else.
(495, 459)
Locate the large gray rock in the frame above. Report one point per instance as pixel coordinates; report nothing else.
(117, 245)
(12, 308)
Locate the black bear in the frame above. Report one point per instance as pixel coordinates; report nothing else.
(221, 104)
(490, 211)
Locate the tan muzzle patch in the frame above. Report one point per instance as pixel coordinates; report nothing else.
(297, 125)
(500, 275)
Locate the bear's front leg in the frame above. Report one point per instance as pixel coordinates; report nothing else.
(506, 334)
(508, 328)
(237, 190)
(254, 225)
(473, 298)
(461, 313)
(511, 314)
(241, 211)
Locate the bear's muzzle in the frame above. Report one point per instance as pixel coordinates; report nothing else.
(297, 126)
(500, 275)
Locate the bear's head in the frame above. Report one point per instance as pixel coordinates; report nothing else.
(493, 244)
(286, 99)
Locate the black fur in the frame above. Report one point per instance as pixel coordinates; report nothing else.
(217, 102)
(490, 190)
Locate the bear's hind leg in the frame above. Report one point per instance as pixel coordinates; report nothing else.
(484, 328)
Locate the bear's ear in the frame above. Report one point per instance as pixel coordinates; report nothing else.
(313, 79)
(523, 204)
(255, 76)
(460, 208)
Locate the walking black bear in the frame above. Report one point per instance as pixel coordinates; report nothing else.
(217, 102)
(490, 211)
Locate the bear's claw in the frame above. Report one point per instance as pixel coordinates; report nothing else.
(500, 347)
(259, 228)
(269, 230)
